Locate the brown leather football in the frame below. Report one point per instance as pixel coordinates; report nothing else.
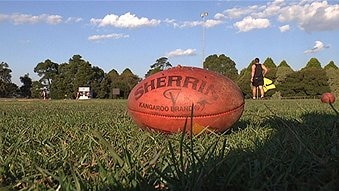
(327, 98)
(167, 100)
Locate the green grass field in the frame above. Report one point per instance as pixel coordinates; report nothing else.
(94, 145)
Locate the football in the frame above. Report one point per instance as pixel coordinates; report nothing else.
(327, 98)
(168, 100)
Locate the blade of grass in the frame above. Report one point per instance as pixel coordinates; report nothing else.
(109, 147)
(181, 143)
(296, 136)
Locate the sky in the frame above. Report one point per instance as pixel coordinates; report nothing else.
(134, 34)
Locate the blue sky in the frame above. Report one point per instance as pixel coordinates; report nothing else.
(134, 34)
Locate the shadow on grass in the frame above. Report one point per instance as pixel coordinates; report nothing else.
(299, 155)
(296, 155)
(272, 153)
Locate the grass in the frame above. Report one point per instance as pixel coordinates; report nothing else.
(94, 145)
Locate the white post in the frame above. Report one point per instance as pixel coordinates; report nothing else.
(203, 16)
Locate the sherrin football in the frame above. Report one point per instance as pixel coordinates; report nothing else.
(327, 98)
(164, 101)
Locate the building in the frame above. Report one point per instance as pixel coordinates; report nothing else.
(84, 93)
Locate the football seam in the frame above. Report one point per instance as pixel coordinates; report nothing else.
(199, 116)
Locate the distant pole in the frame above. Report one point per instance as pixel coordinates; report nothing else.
(203, 16)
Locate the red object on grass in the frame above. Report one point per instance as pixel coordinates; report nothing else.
(164, 101)
(327, 98)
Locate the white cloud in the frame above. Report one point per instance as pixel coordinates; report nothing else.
(284, 28)
(315, 16)
(107, 36)
(249, 23)
(235, 13)
(256, 11)
(73, 20)
(253, 17)
(189, 24)
(209, 23)
(204, 22)
(19, 19)
(33, 19)
(319, 46)
(52, 19)
(219, 16)
(171, 22)
(269, 10)
(127, 20)
(180, 52)
(309, 15)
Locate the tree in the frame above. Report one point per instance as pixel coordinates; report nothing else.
(47, 70)
(77, 72)
(313, 63)
(110, 81)
(272, 68)
(62, 84)
(7, 88)
(221, 64)
(127, 81)
(244, 80)
(269, 63)
(36, 89)
(82, 71)
(282, 71)
(160, 65)
(5, 73)
(12, 90)
(283, 63)
(96, 78)
(332, 73)
(307, 82)
(331, 64)
(25, 89)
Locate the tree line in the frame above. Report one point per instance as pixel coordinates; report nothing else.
(310, 81)
(63, 80)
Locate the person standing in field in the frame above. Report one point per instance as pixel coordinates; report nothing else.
(257, 78)
(44, 94)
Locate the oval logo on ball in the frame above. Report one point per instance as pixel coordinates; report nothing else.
(164, 100)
